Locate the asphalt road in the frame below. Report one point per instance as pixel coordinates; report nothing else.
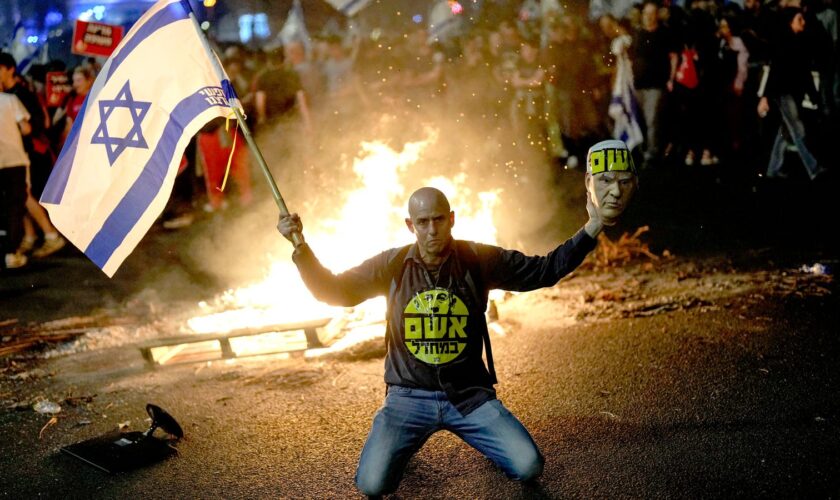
(735, 399)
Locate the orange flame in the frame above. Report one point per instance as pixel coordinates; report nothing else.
(370, 220)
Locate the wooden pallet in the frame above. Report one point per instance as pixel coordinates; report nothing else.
(295, 338)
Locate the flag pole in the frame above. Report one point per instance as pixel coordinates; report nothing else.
(297, 238)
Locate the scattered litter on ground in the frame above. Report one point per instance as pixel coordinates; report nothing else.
(125, 450)
(19, 338)
(634, 290)
(49, 423)
(46, 407)
(19, 405)
(664, 304)
(628, 247)
(77, 400)
(34, 373)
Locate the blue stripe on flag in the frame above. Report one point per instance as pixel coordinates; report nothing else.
(227, 88)
(54, 190)
(138, 198)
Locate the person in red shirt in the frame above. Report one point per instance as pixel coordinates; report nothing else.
(83, 78)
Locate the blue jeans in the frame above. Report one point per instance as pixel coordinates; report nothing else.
(410, 416)
(792, 124)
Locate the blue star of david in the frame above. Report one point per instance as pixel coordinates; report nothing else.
(115, 146)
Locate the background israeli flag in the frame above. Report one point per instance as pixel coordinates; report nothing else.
(116, 170)
(624, 106)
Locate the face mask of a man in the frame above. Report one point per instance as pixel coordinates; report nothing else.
(610, 178)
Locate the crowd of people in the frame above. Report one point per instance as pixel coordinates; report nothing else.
(26, 159)
(706, 83)
(707, 77)
(703, 83)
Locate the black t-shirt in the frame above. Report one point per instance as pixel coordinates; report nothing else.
(650, 55)
(790, 68)
(436, 325)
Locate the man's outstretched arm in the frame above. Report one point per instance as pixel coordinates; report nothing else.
(513, 270)
(345, 289)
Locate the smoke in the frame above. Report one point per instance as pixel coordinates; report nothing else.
(316, 174)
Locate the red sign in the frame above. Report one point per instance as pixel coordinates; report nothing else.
(58, 86)
(95, 39)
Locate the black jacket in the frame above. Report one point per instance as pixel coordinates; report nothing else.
(790, 68)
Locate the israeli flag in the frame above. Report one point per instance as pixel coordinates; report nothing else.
(624, 106)
(116, 170)
(295, 27)
(39, 56)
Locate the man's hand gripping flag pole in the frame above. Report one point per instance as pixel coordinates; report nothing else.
(297, 239)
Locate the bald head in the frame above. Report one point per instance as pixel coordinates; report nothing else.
(427, 198)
